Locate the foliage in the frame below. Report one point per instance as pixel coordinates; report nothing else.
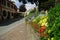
(46, 5)
(22, 8)
(34, 0)
(42, 4)
(33, 11)
(24, 1)
(53, 29)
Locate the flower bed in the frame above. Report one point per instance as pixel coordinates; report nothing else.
(53, 29)
(48, 26)
(39, 25)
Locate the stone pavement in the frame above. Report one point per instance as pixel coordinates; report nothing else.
(20, 32)
(31, 34)
(6, 28)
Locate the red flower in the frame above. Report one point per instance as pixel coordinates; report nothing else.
(42, 29)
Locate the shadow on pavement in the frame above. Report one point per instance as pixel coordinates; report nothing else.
(10, 21)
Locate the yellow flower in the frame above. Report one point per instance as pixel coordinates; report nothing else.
(49, 31)
(48, 38)
(52, 38)
(43, 24)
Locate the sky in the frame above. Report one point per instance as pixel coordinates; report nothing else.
(17, 3)
(28, 5)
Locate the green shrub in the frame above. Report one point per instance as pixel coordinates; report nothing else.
(54, 22)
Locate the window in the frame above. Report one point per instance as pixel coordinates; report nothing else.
(4, 2)
(4, 13)
(8, 4)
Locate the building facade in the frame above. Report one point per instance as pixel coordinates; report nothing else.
(8, 10)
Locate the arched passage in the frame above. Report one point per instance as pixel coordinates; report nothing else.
(8, 16)
(4, 15)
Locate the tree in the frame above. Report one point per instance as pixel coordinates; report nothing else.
(24, 1)
(22, 8)
(43, 4)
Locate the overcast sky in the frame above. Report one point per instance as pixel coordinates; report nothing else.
(28, 5)
(17, 3)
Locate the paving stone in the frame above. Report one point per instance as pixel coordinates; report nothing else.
(20, 32)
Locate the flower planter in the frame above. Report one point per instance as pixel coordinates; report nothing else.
(34, 25)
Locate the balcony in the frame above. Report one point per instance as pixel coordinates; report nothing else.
(8, 4)
(4, 2)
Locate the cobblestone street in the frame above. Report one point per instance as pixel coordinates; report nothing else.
(20, 32)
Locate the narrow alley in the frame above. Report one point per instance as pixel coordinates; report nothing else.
(19, 31)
